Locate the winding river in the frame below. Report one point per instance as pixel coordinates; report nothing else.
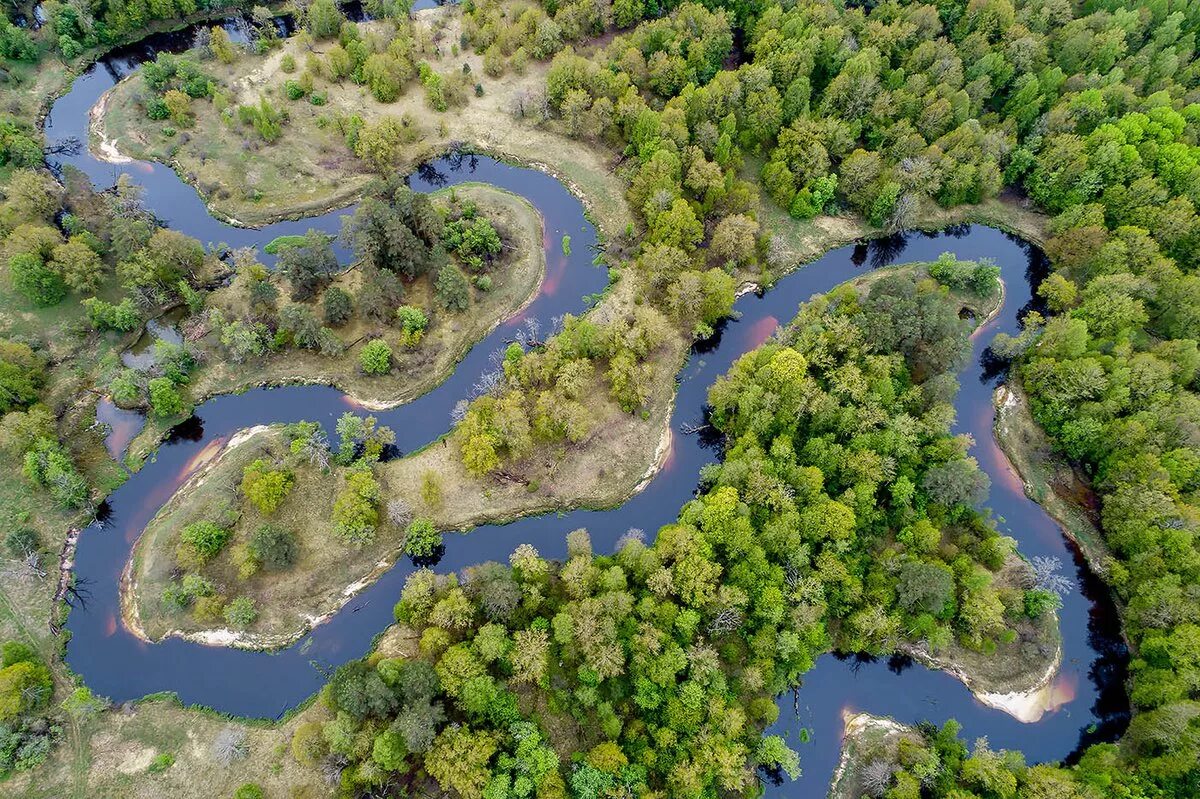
(115, 663)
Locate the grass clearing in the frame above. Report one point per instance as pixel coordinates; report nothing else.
(286, 599)
(114, 753)
(310, 169)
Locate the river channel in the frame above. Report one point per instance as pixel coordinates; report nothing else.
(115, 663)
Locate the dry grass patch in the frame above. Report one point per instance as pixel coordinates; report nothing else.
(287, 599)
(114, 755)
(309, 168)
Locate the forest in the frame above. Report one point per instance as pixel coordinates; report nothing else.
(843, 515)
(677, 647)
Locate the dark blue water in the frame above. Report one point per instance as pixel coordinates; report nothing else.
(116, 664)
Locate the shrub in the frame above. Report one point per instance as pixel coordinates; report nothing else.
(165, 400)
(980, 278)
(431, 489)
(125, 389)
(198, 586)
(376, 357)
(174, 598)
(82, 704)
(273, 547)
(207, 609)
(161, 763)
(248, 791)
(1039, 602)
(21, 541)
(265, 486)
(200, 542)
(421, 539)
(241, 557)
(307, 743)
(157, 109)
(241, 612)
(106, 316)
(338, 306)
(452, 289)
(49, 466)
(179, 595)
(179, 108)
(264, 118)
(413, 323)
(354, 513)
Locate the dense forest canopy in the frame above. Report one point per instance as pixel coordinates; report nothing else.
(885, 108)
(658, 664)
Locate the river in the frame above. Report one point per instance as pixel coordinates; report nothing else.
(115, 663)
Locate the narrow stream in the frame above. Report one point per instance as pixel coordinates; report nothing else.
(116, 664)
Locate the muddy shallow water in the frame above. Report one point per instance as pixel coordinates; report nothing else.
(115, 663)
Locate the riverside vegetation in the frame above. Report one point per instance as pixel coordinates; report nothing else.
(879, 111)
(678, 647)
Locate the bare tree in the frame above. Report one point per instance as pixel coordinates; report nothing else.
(904, 213)
(1046, 572)
(533, 327)
(316, 449)
(332, 766)
(726, 621)
(202, 41)
(631, 535)
(399, 512)
(230, 746)
(877, 777)
(488, 383)
(777, 252)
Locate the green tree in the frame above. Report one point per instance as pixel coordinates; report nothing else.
(200, 542)
(274, 547)
(376, 357)
(37, 281)
(323, 19)
(265, 486)
(413, 323)
(22, 373)
(421, 539)
(241, 612)
(79, 264)
(221, 45)
(452, 289)
(308, 264)
(355, 511)
(165, 400)
(338, 306)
